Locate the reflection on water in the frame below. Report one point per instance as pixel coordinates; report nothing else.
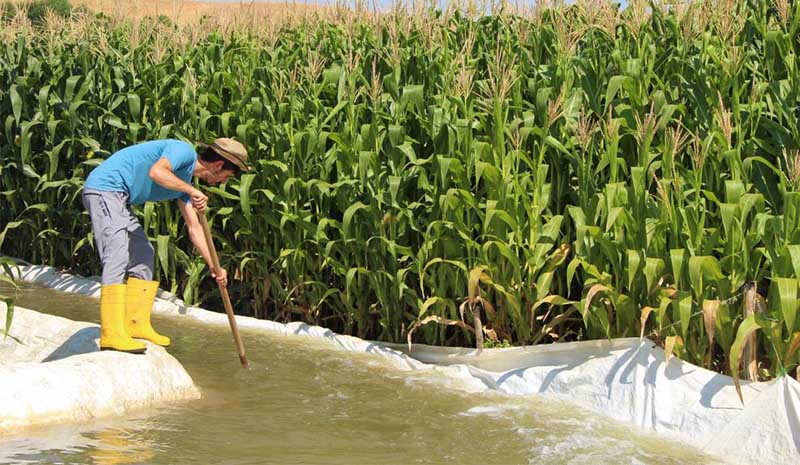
(116, 446)
(303, 402)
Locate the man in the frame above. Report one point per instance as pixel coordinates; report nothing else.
(150, 171)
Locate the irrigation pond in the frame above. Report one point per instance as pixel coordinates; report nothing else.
(305, 402)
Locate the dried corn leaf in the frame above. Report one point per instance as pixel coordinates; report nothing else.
(646, 311)
(669, 346)
(744, 334)
(710, 309)
(594, 290)
(436, 319)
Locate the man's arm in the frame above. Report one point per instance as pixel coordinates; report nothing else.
(161, 173)
(198, 239)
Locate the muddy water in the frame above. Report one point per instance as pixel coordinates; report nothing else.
(303, 402)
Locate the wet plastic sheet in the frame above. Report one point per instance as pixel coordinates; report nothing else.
(625, 379)
(629, 380)
(55, 373)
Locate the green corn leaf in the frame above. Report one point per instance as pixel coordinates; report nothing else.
(748, 202)
(784, 300)
(791, 216)
(134, 107)
(661, 312)
(9, 226)
(492, 211)
(436, 260)
(149, 215)
(332, 114)
(554, 143)
(728, 211)
(634, 265)
(625, 310)
(684, 303)
(677, 259)
(545, 242)
(351, 275)
(16, 103)
(504, 250)
(734, 191)
(413, 96)
(162, 243)
(794, 256)
(244, 195)
(347, 219)
(703, 269)
(612, 217)
(571, 269)
(9, 314)
(653, 270)
(614, 85)
(394, 188)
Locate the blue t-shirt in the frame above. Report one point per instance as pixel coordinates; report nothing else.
(128, 171)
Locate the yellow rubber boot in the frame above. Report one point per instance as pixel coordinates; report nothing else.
(141, 295)
(112, 321)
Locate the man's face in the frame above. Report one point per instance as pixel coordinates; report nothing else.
(218, 175)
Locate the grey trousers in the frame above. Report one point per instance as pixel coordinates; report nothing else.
(119, 238)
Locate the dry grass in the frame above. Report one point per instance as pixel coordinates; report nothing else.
(187, 11)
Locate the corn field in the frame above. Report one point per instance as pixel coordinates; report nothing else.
(536, 175)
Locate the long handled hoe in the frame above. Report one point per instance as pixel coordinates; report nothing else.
(226, 299)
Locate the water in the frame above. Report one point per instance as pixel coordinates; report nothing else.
(303, 402)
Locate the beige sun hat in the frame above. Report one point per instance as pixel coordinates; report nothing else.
(231, 150)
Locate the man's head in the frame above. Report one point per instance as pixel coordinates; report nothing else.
(223, 159)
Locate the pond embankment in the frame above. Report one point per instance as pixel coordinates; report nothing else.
(53, 371)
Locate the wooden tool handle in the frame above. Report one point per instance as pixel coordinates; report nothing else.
(226, 299)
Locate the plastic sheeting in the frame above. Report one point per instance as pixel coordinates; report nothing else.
(629, 380)
(55, 373)
(625, 379)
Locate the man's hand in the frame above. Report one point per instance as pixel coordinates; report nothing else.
(222, 277)
(199, 199)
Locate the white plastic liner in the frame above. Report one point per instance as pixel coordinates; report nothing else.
(624, 379)
(56, 373)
